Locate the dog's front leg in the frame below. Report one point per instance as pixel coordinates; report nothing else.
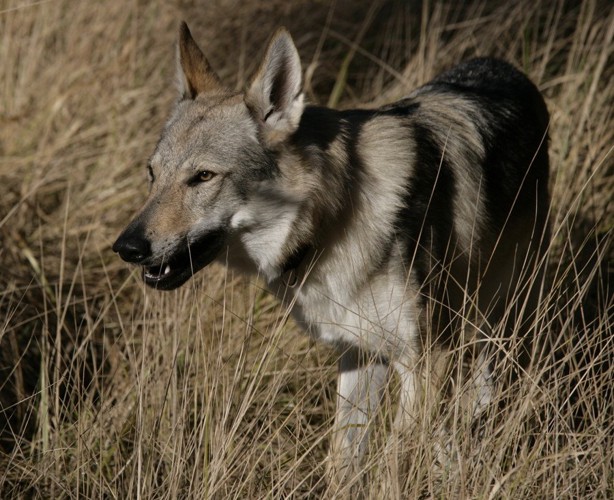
(359, 393)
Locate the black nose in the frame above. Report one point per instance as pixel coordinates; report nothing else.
(132, 246)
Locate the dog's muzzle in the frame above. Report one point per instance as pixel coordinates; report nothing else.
(172, 270)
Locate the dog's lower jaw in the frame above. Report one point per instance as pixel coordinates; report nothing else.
(174, 271)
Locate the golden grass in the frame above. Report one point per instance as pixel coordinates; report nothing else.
(109, 390)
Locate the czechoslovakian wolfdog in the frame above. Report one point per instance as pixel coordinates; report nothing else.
(391, 232)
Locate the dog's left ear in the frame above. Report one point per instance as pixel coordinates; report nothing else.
(275, 95)
(194, 73)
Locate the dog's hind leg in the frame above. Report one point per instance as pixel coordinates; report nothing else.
(360, 388)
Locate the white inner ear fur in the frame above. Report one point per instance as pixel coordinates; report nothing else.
(181, 82)
(288, 119)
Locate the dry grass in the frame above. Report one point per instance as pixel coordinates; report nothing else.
(111, 391)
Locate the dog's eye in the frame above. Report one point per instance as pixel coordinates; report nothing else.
(203, 176)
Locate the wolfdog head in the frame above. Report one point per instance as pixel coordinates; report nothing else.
(217, 186)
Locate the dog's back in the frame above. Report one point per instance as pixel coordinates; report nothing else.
(482, 190)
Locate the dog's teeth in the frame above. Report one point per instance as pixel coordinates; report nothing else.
(167, 269)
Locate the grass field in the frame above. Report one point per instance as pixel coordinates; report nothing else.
(108, 390)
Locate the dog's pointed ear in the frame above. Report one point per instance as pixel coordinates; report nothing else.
(275, 95)
(194, 73)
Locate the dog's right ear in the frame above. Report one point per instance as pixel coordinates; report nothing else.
(275, 96)
(194, 73)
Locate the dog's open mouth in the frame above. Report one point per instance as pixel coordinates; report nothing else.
(178, 268)
(156, 272)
